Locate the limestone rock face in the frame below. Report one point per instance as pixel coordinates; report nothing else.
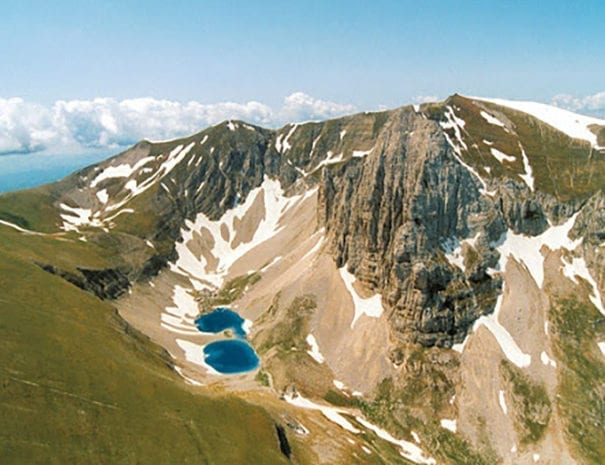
(393, 215)
(413, 201)
(389, 217)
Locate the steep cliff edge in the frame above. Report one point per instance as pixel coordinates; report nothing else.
(431, 245)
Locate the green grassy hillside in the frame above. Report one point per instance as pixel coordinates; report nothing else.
(79, 386)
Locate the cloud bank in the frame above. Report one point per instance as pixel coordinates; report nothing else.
(80, 125)
(590, 104)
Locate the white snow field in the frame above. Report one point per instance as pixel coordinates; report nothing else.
(371, 306)
(572, 124)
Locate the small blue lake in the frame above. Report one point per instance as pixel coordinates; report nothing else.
(221, 319)
(227, 356)
(231, 356)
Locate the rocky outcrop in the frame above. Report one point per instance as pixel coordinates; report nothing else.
(590, 225)
(388, 217)
(407, 199)
(107, 284)
(393, 218)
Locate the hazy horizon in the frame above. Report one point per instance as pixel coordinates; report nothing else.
(90, 77)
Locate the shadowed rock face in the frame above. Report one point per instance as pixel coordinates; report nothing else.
(396, 197)
(106, 284)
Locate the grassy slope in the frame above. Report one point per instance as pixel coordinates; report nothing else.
(577, 327)
(30, 209)
(563, 167)
(78, 386)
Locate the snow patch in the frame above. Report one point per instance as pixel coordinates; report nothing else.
(528, 176)
(131, 185)
(186, 378)
(20, 229)
(121, 171)
(509, 346)
(174, 158)
(196, 267)
(271, 263)
(577, 267)
(314, 352)
(361, 153)
(448, 424)
(339, 384)
(315, 248)
(502, 402)
(457, 124)
(331, 413)
(408, 450)
(247, 326)
(180, 316)
(76, 217)
(282, 144)
(452, 248)
(501, 156)
(329, 160)
(526, 249)
(194, 353)
(601, 347)
(546, 360)
(491, 119)
(371, 306)
(315, 141)
(103, 196)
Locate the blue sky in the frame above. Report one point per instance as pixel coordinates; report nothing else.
(92, 75)
(363, 53)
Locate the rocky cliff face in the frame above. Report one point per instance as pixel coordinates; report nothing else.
(376, 240)
(413, 200)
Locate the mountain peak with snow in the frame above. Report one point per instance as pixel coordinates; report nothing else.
(423, 283)
(572, 124)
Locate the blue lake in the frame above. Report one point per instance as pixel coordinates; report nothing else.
(228, 356)
(221, 319)
(231, 356)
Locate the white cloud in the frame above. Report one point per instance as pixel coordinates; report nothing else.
(25, 127)
(77, 126)
(425, 99)
(589, 104)
(108, 123)
(302, 107)
(105, 122)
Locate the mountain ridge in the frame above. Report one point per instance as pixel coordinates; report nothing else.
(392, 237)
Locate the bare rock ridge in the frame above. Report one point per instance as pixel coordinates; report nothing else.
(414, 201)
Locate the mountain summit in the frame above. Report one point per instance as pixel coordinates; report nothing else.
(421, 285)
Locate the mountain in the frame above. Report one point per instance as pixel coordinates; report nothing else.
(421, 285)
